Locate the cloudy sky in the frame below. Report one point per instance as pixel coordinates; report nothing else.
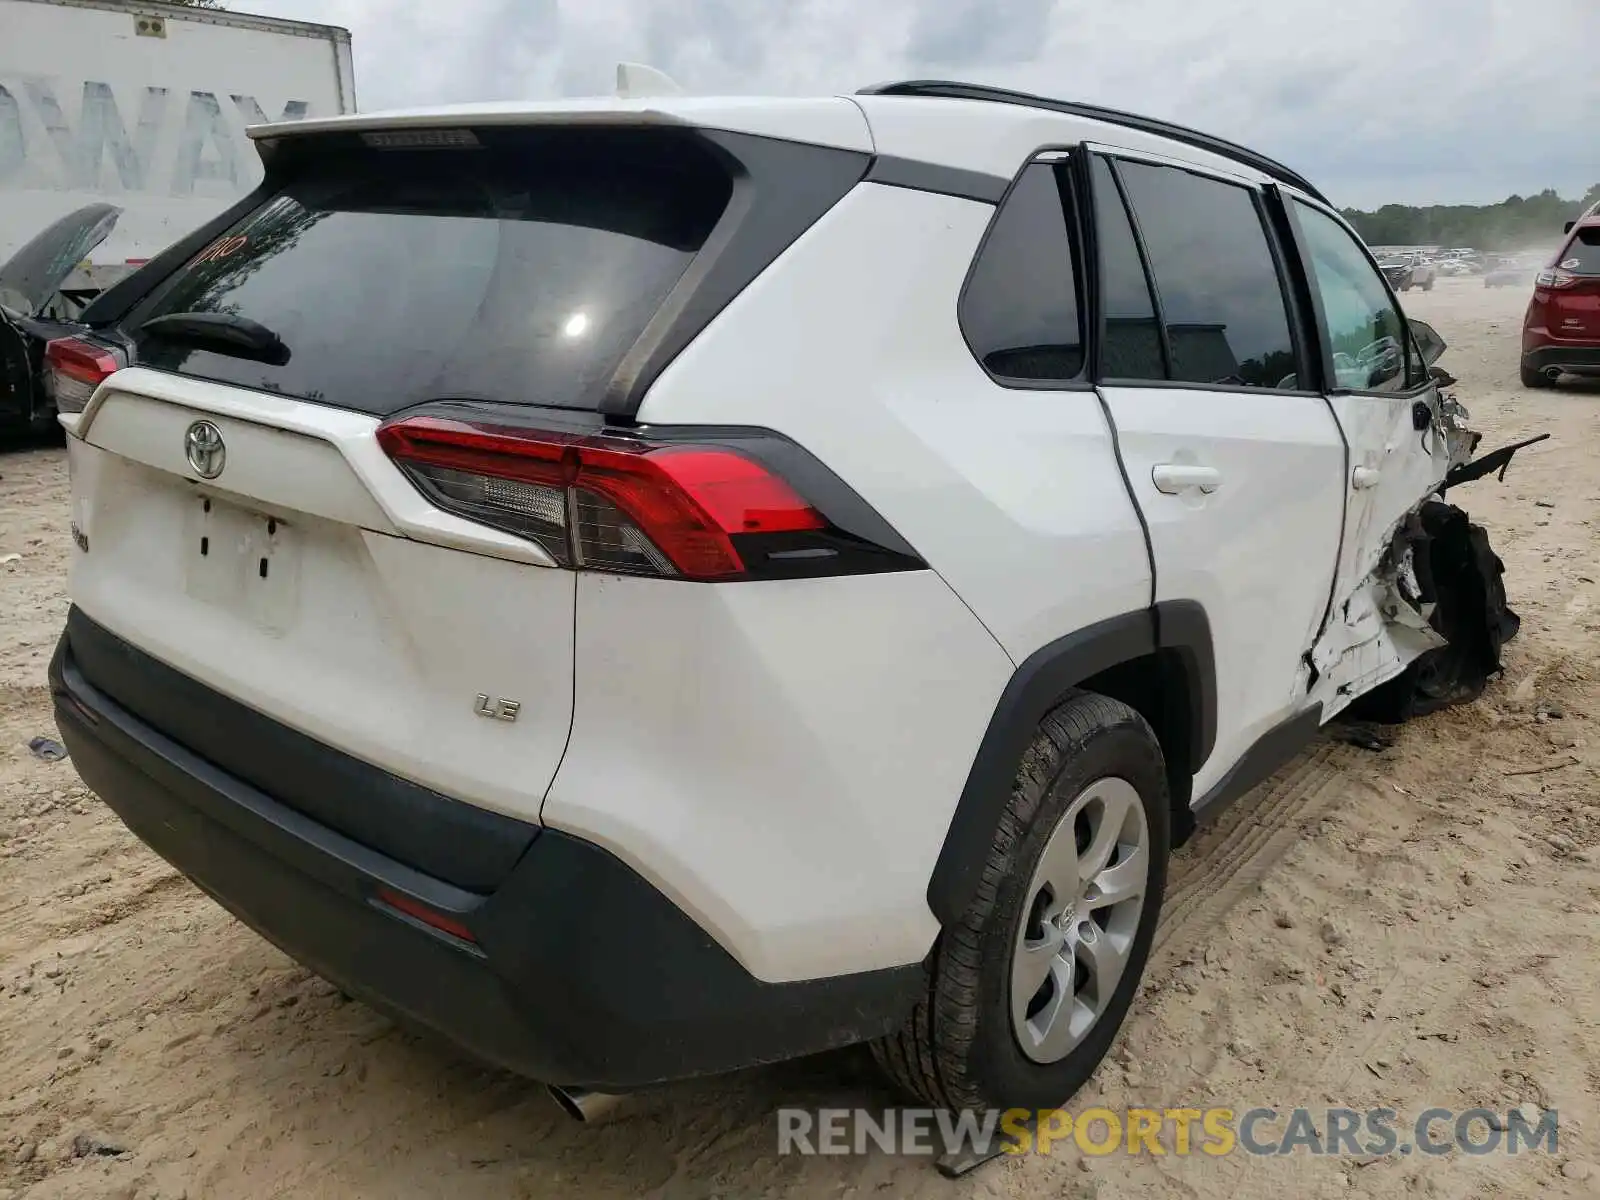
(1414, 101)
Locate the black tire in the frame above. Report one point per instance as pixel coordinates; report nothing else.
(959, 1050)
(1534, 379)
(42, 422)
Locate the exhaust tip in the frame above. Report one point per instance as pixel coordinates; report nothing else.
(583, 1105)
(1552, 373)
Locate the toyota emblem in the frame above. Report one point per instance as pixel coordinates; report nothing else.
(202, 446)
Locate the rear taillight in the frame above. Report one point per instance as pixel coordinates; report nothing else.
(1554, 279)
(629, 505)
(74, 368)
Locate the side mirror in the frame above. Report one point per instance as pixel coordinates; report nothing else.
(1428, 341)
(1383, 360)
(1567, 228)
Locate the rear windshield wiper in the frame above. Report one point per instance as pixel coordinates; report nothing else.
(222, 333)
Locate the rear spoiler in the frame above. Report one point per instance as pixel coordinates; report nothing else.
(635, 82)
(565, 112)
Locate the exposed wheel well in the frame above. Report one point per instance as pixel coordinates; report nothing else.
(1157, 687)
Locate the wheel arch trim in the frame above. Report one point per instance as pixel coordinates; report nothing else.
(1036, 687)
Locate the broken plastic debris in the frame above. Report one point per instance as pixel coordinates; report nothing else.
(1487, 464)
(1364, 737)
(48, 749)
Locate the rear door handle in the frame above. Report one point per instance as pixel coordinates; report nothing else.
(1172, 478)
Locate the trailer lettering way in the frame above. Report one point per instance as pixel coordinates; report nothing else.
(203, 138)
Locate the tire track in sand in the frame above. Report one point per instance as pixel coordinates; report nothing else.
(1223, 861)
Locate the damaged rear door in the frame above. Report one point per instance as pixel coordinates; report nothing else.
(1388, 408)
(1229, 447)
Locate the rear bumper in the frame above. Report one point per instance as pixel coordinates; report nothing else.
(579, 972)
(1572, 358)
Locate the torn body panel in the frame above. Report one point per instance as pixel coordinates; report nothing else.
(1380, 620)
(1461, 586)
(1423, 624)
(1374, 634)
(1461, 441)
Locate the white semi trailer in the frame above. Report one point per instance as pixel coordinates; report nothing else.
(144, 107)
(122, 128)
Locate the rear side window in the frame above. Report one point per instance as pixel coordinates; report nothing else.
(1132, 348)
(522, 270)
(1582, 255)
(1221, 298)
(1019, 310)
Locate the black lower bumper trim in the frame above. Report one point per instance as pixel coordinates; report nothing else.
(467, 846)
(582, 973)
(1575, 360)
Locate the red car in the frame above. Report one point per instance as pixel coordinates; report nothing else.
(1561, 332)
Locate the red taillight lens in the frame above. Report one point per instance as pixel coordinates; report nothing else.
(74, 368)
(606, 503)
(740, 495)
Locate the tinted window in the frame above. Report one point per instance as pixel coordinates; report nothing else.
(1582, 255)
(1220, 294)
(1020, 307)
(519, 271)
(1132, 347)
(1361, 326)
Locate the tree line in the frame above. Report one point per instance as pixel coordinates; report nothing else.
(1515, 222)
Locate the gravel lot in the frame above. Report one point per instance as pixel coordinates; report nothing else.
(1413, 928)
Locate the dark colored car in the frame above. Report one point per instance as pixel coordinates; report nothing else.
(36, 308)
(1561, 331)
(1397, 271)
(1407, 271)
(1507, 270)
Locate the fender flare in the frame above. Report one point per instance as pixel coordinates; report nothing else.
(1045, 676)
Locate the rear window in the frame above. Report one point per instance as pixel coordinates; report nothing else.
(520, 270)
(1019, 310)
(1582, 255)
(1132, 348)
(1226, 318)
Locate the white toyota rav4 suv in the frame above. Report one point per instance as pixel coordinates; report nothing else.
(647, 587)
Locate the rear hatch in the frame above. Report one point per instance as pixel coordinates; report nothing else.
(1571, 288)
(32, 275)
(236, 516)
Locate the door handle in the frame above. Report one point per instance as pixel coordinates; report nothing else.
(1172, 478)
(1363, 478)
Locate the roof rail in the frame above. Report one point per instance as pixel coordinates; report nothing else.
(953, 90)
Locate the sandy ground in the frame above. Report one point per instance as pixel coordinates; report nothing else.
(1412, 928)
